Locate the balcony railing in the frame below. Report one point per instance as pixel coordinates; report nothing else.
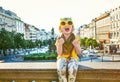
(46, 72)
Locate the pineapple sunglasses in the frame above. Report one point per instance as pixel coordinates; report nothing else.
(63, 23)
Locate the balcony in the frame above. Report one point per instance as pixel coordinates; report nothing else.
(46, 72)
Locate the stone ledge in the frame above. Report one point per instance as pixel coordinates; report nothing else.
(99, 65)
(52, 65)
(47, 72)
(25, 65)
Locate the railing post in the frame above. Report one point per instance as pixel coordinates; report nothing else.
(102, 57)
(91, 59)
(112, 57)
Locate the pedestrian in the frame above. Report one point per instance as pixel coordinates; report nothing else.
(68, 49)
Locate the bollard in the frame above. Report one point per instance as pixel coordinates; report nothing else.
(102, 58)
(91, 59)
(112, 58)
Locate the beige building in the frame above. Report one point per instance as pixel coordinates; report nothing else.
(103, 25)
(105, 29)
(98, 28)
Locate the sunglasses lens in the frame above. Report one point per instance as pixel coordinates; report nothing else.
(62, 23)
(70, 22)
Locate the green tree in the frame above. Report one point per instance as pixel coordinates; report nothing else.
(23, 44)
(31, 44)
(87, 42)
(83, 42)
(38, 43)
(51, 42)
(95, 43)
(52, 32)
(92, 42)
(18, 39)
(6, 40)
(12, 36)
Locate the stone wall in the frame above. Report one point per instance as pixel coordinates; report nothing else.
(46, 72)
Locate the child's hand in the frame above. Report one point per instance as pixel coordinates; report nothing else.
(76, 45)
(75, 42)
(61, 41)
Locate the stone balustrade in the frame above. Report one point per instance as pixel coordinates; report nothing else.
(46, 72)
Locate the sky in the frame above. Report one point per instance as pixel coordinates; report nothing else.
(45, 14)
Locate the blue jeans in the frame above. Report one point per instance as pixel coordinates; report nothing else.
(67, 69)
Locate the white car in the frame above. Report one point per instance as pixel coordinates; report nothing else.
(90, 53)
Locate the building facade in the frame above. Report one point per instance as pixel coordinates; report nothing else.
(103, 25)
(30, 32)
(7, 20)
(115, 26)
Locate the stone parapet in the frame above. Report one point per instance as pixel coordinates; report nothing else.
(46, 72)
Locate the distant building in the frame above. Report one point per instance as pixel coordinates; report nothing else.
(92, 29)
(98, 28)
(115, 26)
(30, 32)
(20, 26)
(84, 31)
(11, 22)
(8, 20)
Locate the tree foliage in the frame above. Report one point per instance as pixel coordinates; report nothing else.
(51, 42)
(11, 40)
(6, 40)
(87, 42)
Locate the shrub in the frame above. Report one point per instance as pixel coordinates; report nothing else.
(41, 56)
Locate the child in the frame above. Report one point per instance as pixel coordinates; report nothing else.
(68, 47)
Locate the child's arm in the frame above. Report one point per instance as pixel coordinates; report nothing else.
(59, 46)
(76, 46)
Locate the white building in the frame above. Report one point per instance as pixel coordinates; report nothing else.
(115, 26)
(7, 20)
(30, 32)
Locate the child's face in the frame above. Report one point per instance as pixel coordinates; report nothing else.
(66, 27)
